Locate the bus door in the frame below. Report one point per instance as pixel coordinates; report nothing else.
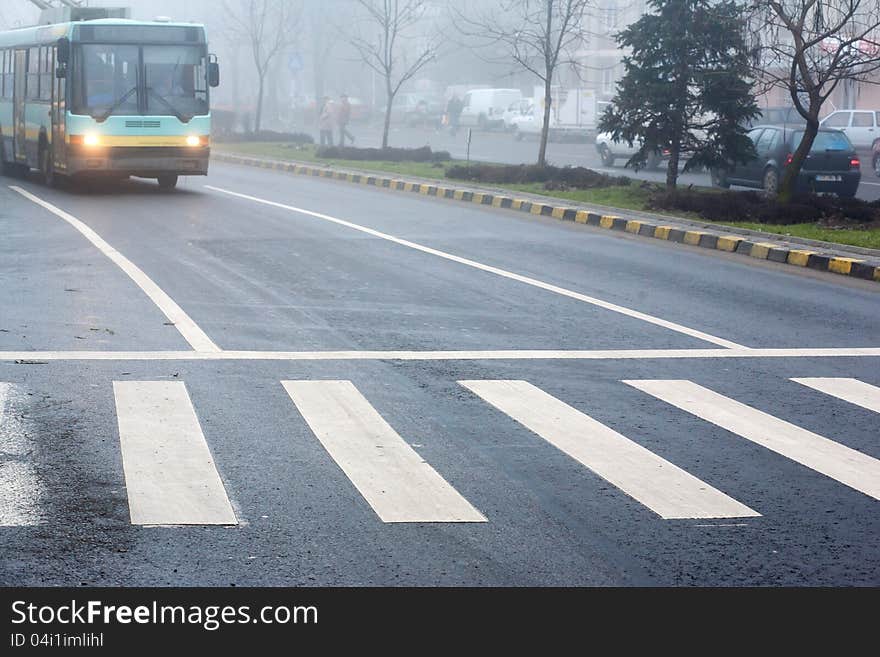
(59, 112)
(18, 121)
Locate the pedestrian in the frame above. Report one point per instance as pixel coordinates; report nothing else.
(453, 112)
(343, 116)
(326, 121)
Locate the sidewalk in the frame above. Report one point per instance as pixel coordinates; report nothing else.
(823, 256)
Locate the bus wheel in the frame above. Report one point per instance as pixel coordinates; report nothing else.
(167, 182)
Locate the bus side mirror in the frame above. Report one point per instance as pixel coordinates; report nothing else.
(63, 46)
(213, 72)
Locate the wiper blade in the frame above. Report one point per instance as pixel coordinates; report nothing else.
(183, 117)
(103, 117)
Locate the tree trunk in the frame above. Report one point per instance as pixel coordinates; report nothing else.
(789, 177)
(672, 166)
(390, 97)
(545, 128)
(259, 117)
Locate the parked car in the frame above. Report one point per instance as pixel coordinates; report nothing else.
(832, 164)
(484, 108)
(610, 151)
(417, 109)
(875, 157)
(784, 116)
(861, 126)
(521, 107)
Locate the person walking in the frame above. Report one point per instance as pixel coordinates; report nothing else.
(453, 112)
(326, 121)
(342, 118)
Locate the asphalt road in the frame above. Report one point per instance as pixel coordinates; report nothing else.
(496, 146)
(553, 414)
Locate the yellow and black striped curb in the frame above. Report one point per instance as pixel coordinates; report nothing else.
(776, 252)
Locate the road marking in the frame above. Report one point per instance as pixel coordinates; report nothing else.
(848, 466)
(190, 331)
(21, 491)
(872, 184)
(495, 270)
(512, 354)
(851, 390)
(392, 477)
(663, 487)
(169, 473)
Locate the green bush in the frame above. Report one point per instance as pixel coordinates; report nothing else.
(423, 154)
(755, 206)
(523, 174)
(269, 136)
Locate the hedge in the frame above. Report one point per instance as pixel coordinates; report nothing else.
(423, 154)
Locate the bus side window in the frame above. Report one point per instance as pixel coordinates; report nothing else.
(45, 73)
(2, 74)
(32, 90)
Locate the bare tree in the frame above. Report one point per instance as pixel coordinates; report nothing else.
(389, 41)
(266, 27)
(808, 48)
(539, 35)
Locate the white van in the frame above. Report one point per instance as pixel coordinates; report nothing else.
(861, 126)
(485, 108)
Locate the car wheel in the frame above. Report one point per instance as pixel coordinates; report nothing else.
(771, 181)
(606, 156)
(719, 178)
(167, 182)
(653, 161)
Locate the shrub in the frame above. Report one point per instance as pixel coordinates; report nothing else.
(755, 206)
(423, 154)
(552, 177)
(269, 135)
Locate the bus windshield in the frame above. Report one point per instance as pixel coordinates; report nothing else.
(175, 77)
(132, 79)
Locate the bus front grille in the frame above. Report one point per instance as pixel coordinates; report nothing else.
(143, 124)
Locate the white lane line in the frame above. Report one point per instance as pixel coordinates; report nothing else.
(663, 487)
(512, 354)
(169, 473)
(392, 477)
(848, 466)
(851, 390)
(21, 490)
(498, 272)
(190, 331)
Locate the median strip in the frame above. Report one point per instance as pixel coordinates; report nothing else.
(837, 263)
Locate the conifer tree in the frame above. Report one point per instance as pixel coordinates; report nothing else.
(686, 87)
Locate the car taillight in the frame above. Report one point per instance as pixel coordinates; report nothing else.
(854, 163)
(789, 159)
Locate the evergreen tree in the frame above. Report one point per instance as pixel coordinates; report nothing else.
(685, 87)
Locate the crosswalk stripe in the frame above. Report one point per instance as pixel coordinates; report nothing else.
(392, 477)
(851, 390)
(21, 491)
(169, 472)
(848, 466)
(658, 484)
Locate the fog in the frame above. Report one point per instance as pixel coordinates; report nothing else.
(317, 58)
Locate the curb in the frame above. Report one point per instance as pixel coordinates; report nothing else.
(829, 262)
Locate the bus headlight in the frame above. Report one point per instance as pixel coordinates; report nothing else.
(91, 140)
(192, 140)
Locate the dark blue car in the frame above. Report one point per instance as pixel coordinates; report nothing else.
(832, 165)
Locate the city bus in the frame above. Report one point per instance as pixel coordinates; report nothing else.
(108, 98)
